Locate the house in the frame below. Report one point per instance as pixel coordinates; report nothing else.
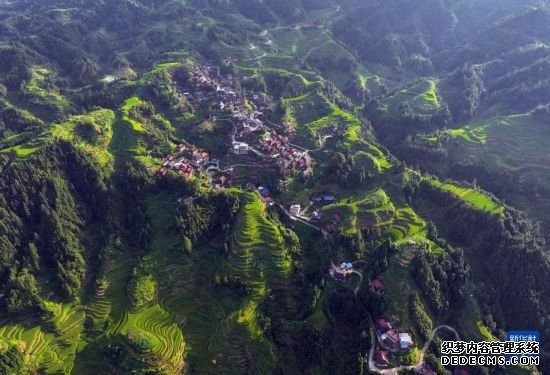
(263, 191)
(381, 358)
(346, 266)
(240, 148)
(382, 325)
(162, 171)
(461, 371)
(329, 198)
(339, 275)
(188, 201)
(390, 340)
(337, 218)
(405, 340)
(329, 228)
(316, 216)
(295, 209)
(378, 285)
(426, 370)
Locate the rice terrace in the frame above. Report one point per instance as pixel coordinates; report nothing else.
(273, 187)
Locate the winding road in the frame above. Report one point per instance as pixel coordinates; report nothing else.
(394, 370)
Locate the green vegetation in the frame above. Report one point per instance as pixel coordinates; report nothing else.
(54, 352)
(108, 267)
(421, 97)
(430, 95)
(476, 198)
(142, 290)
(129, 104)
(91, 133)
(35, 88)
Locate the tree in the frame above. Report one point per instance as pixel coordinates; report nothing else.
(420, 317)
(11, 361)
(187, 245)
(23, 293)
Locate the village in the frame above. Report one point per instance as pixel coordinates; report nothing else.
(255, 143)
(252, 139)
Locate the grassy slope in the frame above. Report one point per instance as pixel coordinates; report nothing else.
(475, 198)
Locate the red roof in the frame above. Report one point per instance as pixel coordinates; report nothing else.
(382, 324)
(204, 154)
(394, 335)
(378, 284)
(337, 218)
(381, 357)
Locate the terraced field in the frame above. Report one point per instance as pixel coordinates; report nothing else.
(163, 334)
(221, 328)
(476, 198)
(423, 98)
(258, 245)
(52, 352)
(131, 102)
(36, 88)
(376, 210)
(405, 224)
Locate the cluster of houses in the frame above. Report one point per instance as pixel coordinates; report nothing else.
(223, 181)
(289, 158)
(189, 162)
(248, 120)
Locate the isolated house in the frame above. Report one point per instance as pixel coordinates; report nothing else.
(378, 285)
(346, 266)
(339, 275)
(405, 341)
(329, 198)
(329, 228)
(461, 371)
(263, 191)
(295, 209)
(240, 148)
(381, 358)
(390, 340)
(426, 371)
(382, 325)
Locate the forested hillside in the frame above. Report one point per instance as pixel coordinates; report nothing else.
(261, 186)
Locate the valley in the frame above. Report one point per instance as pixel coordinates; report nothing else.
(260, 187)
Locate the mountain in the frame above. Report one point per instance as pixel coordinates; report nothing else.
(260, 186)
